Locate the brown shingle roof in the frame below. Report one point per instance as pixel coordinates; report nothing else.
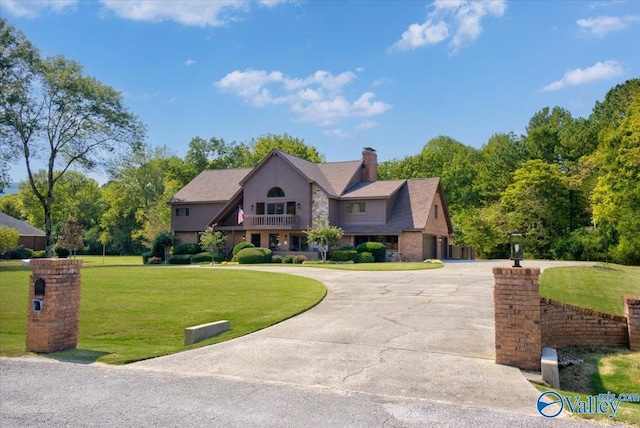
(340, 174)
(23, 228)
(373, 189)
(212, 185)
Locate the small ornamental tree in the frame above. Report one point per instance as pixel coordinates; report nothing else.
(213, 240)
(165, 240)
(324, 237)
(9, 239)
(71, 235)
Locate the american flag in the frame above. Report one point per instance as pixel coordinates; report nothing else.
(240, 215)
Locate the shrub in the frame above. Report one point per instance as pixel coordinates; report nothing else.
(219, 258)
(180, 259)
(288, 258)
(187, 249)
(364, 257)
(62, 253)
(377, 249)
(344, 255)
(242, 246)
(40, 254)
(276, 259)
(202, 258)
(153, 260)
(299, 259)
(21, 253)
(253, 255)
(145, 257)
(347, 247)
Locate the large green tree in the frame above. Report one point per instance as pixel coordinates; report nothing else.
(497, 160)
(616, 197)
(57, 115)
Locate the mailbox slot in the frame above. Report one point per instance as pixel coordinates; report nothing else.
(39, 287)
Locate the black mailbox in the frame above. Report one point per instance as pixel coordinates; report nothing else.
(39, 287)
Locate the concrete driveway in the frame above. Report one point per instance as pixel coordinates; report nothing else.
(412, 348)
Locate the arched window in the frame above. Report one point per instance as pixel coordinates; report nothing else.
(275, 192)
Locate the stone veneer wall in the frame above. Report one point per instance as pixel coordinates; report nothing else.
(319, 206)
(410, 246)
(55, 328)
(568, 325)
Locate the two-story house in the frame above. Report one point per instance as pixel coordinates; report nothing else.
(273, 204)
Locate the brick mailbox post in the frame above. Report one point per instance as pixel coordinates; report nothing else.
(517, 317)
(54, 305)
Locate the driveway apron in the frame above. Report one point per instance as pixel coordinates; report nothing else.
(426, 335)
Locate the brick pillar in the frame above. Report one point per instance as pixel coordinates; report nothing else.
(517, 317)
(632, 312)
(55, 326)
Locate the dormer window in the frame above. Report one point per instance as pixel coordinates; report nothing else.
(275, 192)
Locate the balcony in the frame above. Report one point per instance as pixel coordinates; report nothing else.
(282, 221)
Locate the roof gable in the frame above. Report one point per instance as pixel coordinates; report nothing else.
(373, 189)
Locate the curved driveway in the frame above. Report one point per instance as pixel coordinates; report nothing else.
(411, 348)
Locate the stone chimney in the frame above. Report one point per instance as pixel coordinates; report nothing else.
(369, 164)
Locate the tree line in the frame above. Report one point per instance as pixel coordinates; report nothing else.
(571, 185)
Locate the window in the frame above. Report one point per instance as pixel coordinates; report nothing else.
(275, 192)
(291, 208)
(255, 239)
(436, 211)
(299, 243)
(182, 212)
(355, 207)
(260, 208)
(274, 241)
(275, 209)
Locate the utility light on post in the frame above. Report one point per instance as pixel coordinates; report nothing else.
(517, 248)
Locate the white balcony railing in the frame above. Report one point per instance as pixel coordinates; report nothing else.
(282, 221)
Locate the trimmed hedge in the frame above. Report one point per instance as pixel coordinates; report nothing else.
(187, 249)
(202, 258)
(276, 258)
(219, 258)
(288, 259)
(20, 253)
(377, 249)
(180, 259)
(364, 257)
(253, 255)
(344, 255)
(145, 257)
(242, 246)
(62, 253)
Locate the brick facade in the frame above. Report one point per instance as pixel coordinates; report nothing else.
(632, 312)
(55, 327)
(568, 325)
(410, 246)
(517, 317)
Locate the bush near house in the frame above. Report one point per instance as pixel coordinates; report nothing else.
(344, 255)
(187, 249)
(219, 258)
(377, 249)
(299, 259)
(62, 253)
(20, 253)
(180, 259)
(202, 258)
(145, 257)
(364, 257)
(241, 246)
(288, 259)
(277, 259)
(253, 255)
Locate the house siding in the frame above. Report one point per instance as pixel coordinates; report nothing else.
(375, 212)
(199, 216)
(410, 246)
(437, 226)
(276, 172)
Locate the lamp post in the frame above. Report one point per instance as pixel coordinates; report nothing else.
(517, 248)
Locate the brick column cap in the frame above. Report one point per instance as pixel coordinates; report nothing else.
(631, 300)
(504, 270)
(54, 262)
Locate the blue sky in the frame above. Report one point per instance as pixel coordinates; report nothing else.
(341, 74)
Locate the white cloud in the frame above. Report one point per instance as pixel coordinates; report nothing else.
(317, 98)
(337, 133)
(33, 9)
(601, 25)
(459, 20)
(189, 62)
(382, 80)
(188, 12)
(598, 71)
(366, 125)
(360, 69)
(172, 100)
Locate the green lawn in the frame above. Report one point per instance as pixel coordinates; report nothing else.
(129, 313)
(599, 288)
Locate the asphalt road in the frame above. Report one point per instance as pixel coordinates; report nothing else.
(408, 348)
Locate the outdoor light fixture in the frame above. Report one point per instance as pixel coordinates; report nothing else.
(298, 205)
(517, 248)
(251, 207)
